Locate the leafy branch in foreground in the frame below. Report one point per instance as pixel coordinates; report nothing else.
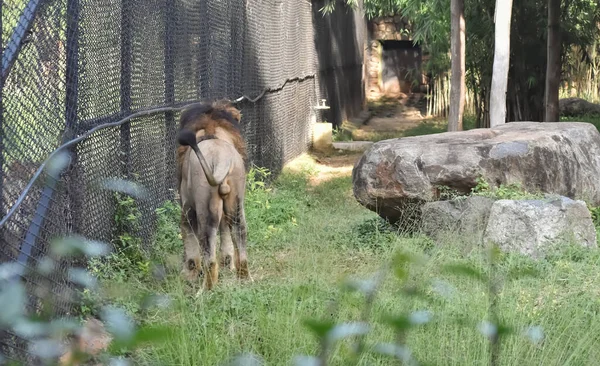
(41, 327)
(329, 332)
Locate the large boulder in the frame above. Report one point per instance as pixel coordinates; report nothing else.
(577, 107)
(559, 158)
(531, 227)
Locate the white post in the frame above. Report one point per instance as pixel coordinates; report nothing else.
(501, 62)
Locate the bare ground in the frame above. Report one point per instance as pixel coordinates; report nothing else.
(390, 118)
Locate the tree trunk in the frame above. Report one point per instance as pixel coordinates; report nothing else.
(501, 63)
(551, 113)
(457, 50)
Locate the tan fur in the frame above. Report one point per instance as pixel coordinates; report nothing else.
(208, 210)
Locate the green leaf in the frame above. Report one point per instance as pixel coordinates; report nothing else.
(490, 330)
(319, 327)
(400, 323)
(10, 270)
(124, 186)
(535, 334)
(396, 351)
(46, 348)
(404, 322)
(366, 287)
(119, 361)
(400, 263)
(306, 361)
(118, 323)
(443, 288)
(144, 335)
(518, 273)
(464, 270)
(78, 245)
(246, 359)
(30, 329)
(346, 330)
(494, 253)
(12, 303)
(82, 277)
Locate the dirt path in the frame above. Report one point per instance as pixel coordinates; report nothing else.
(394, 118)
(389, 118)
(324, 167)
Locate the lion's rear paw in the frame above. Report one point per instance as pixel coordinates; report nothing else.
(227, 262)
(191, 270)
(243, 273)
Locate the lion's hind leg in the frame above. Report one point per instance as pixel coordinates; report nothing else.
(227, 251)
(209, 223)
(191, 262)
(234, 212)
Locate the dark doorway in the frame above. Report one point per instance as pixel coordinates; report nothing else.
(401, 66)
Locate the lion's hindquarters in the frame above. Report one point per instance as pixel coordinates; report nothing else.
(210, 203)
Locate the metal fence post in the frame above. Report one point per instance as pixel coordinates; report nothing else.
(2, 211)
(170, 128)
(126, 60)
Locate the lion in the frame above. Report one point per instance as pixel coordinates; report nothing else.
(212, 189)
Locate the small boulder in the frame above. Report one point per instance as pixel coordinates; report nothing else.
(465, 216)
(561, 158)
(532, 226)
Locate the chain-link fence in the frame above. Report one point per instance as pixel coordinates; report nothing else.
(70, 67)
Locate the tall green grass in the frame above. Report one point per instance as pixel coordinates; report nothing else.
(305, 241)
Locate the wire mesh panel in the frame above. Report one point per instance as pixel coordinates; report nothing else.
(72, 69)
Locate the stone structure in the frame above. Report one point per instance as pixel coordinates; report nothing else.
(387, 69)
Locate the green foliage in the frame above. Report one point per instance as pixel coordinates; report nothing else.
(43, 327)
(430, 27)
(446, 193)
(595, 212)
(268, 211)
(403, 324)
(512, 191)
(341, 134)
(168, 233)
(128, 258)
(428, 302)
(373, 234)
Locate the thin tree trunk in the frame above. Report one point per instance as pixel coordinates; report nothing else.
(501, 63)
(457, 50)
(553, 65)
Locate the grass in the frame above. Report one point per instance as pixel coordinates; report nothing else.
(425, 127)
(428, 127)
(304, 241)
(593, 119)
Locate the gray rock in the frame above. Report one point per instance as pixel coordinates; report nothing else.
(559, 158)
(464, 216)
(577, 107)
(533, 226)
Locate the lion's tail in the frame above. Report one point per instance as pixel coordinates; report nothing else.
(216, 178)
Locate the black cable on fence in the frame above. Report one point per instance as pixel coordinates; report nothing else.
(120, 122)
